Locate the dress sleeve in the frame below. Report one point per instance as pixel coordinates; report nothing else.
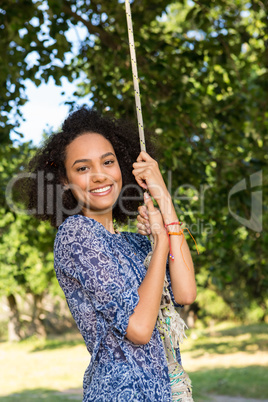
(88, 259)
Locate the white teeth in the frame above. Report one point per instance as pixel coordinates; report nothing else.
(101, 190)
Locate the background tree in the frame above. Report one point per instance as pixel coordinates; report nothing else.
(203, 77)
(26, 249)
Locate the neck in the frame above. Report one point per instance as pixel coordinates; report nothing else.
(105, 219)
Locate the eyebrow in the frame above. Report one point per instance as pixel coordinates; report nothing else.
(90, 160)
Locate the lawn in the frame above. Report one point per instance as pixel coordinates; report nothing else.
(37, 370)
(224, 360)
(228, 360)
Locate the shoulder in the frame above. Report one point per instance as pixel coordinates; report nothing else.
(74, 228)
(76, 223)
(139, 241)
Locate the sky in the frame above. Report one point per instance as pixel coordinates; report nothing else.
(45, 109)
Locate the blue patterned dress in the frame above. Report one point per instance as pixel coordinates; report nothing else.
(100, 274)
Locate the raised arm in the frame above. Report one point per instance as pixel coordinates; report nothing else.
(142, 322)
(182, 275)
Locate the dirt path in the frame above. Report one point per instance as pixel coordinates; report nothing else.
(218, 398)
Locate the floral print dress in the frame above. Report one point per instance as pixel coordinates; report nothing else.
(100, 274)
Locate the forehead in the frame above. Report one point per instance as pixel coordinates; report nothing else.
(88, 145)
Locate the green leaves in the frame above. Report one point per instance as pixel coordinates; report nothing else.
(26, 245)
(203, 81)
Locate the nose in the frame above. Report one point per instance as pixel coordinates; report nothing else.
(98, 176)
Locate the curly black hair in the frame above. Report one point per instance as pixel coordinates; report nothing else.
(44, 191)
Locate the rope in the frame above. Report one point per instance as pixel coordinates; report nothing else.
(169, 322)
(135, 75)
(171, 329)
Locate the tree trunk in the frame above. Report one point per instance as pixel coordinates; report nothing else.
(188, 315)
(14, 325)
(264, 309)
(37, 317)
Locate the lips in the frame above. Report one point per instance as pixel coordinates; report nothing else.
(101, 190)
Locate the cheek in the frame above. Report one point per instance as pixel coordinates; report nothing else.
(119, 178)
(80, 181)
(79, 184)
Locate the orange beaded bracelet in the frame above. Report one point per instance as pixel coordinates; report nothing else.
(178, 234)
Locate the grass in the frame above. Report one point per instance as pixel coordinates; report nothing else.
(50, 370)
(228, 360)
(249, 382)
(224, 360)
(38, 395)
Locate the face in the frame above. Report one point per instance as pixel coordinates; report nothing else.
(93, 173)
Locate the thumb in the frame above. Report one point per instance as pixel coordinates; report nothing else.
(148, 202)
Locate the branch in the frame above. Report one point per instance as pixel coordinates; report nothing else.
(105, 37)
(202, 6)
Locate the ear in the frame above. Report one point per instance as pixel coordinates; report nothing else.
(65, 184)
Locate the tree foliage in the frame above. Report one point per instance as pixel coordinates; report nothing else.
(26, 245)
(203, 78)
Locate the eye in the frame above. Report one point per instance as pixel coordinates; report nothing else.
(82, 169)
(109, 162)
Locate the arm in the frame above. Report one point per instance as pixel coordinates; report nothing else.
(149, 177)
(184, 290)
(142, 322)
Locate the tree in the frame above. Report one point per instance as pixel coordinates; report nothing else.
(203, 77)
(26, 247)
(27, 52)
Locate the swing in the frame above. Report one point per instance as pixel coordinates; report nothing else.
(169, 323)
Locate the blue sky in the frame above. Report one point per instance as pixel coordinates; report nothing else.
(45, 109)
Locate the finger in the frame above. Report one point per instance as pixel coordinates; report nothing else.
(143, 168)
(143, 228)
(141, 165)
(145, 222)
(141, 176)
(143, 211)
(144, 156)
(144, 233)
(149, 203)
(144, 225)
(141, 183)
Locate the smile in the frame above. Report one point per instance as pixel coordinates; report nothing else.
(101, 190)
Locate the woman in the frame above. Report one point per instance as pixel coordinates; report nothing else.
(113, 298)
